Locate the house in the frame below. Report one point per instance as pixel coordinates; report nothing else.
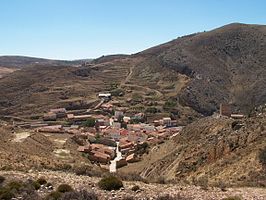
(118, 114)
(125, 151)
(105, 96)
(60, 112)
(111, 121)
(99, 157)
(107, 141)
(103, 149)
(126, 119)
(147, 127)
(125, 145)
(167, 121)
(84, 149)
(51, 129)
(140, 117)
(115, 134)
(107, 106)
(237, 116)
(173, 122)
(134, 127)
(137, 136)
(163, 135)
(91, 137)
(78, 118)
(98, 152)
(225, 110)
(100, 122)
(157, 123)
(131, 158)
(123, 132)
(73, 131)
(153, 140)
(50, 116)
(116, 125)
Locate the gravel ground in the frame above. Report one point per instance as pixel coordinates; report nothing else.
(146, 192)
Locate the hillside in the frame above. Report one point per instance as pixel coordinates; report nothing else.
(23, 150)
(223, 65)
(186, 78)
(217, 150)
(18, 62)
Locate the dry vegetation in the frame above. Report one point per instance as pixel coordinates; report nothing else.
(186, 79)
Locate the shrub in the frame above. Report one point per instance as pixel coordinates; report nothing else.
(89, 122)
(128, 198)
(232, 198)
(36, 185)
(82, 170)
(135, 188)
(6, 194)
(55, 195)
(152, 110)
(30, 196)
(142, 148)
(117, 92)
(222, 186)
(203, 182)
(25, 190)
(64, 188)
(41, 181)
(262, 156)
(161, 180)
(130, 176)
(2, 179)
(79, 195)
(169, 104)
(171, 197)
(136, 97)
(65, 167)
(14, 185)
(110, 183)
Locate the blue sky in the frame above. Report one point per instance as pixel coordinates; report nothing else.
(72, 29)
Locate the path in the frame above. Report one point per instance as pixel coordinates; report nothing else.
(125, 83)
(117, 158)
(99, 104)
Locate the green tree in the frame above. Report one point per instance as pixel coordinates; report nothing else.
(89, 122)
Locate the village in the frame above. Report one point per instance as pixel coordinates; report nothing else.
(107, 136)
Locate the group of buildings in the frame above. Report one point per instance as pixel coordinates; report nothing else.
(112, 133)
(118, 132)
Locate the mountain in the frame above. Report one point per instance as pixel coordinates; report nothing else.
(223, 65)
(187, 78)
(9, 64)
(22, 61)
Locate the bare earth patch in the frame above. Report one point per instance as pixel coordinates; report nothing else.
(20, 137)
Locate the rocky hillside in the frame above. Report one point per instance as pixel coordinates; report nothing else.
(213, 150)
(185, 78)
(25, 150)
(223, 65)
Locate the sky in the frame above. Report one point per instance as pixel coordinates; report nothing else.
(78, 29)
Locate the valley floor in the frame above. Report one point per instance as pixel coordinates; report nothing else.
(147, 191)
